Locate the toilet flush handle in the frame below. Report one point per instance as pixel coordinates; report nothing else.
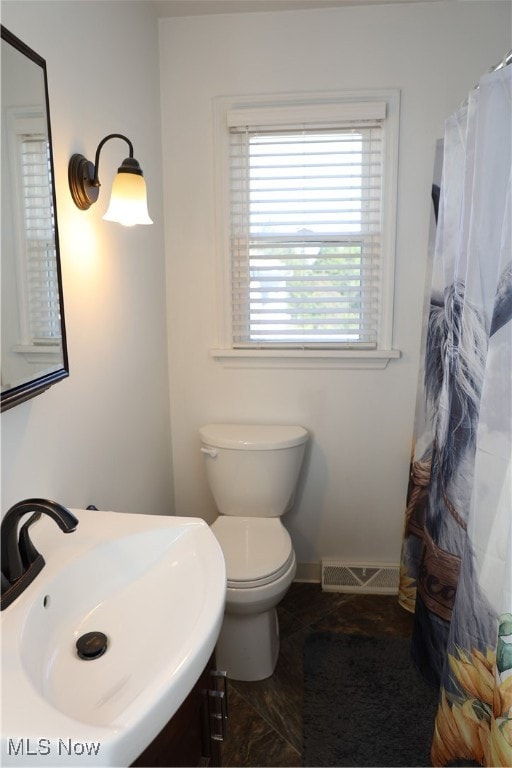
(212, 452)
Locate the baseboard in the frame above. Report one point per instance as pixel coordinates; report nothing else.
(309, 573)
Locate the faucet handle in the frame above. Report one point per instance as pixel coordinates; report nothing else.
(21, 562)
(28, 552)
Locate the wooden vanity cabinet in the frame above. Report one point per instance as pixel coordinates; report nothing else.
(193, 736)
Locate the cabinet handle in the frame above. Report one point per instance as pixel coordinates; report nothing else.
(219, 680)
(217, 718)
(218, 705)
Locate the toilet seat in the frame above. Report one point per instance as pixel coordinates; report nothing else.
(257, 550)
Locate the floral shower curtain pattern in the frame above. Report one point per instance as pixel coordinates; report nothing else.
(456, 570)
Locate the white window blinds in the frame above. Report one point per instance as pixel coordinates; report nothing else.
(41, 258)
(306, 220)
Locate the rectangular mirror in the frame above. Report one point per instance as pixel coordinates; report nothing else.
(34, 354)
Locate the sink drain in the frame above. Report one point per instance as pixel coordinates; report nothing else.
(92, 645)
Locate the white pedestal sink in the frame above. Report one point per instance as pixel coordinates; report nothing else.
(155, 586)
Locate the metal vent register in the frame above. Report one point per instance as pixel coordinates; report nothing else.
(347, 577)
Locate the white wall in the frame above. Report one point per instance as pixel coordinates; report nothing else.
(352, 500)
(103, 435)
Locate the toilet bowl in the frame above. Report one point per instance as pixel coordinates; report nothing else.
(253, 471)
(248, 644)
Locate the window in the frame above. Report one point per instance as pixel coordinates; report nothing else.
(39, 236)
(37, 278)
(310, 224)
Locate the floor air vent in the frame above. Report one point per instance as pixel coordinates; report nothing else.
(348, 577)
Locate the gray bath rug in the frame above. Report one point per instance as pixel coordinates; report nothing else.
(364, 703)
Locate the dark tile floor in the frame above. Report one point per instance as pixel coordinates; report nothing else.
(265, 718)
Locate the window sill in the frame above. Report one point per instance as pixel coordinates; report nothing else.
(308, 358)
(39, 353)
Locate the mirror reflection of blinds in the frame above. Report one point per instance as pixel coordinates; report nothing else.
(39, 230)
(306, 235)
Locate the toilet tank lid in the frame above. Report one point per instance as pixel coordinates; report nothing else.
(254, 437)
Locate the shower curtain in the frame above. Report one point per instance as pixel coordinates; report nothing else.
(456, 569)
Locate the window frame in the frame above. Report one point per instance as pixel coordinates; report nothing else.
(278, 108)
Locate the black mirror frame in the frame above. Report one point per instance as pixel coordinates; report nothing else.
(36, 386)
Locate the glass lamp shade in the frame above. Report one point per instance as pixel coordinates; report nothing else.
(128, 201)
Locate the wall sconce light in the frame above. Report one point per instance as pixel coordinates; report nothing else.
(128, 201)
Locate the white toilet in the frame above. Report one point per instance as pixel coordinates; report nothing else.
(253, 471)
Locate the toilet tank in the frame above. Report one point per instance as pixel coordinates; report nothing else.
(253, 469)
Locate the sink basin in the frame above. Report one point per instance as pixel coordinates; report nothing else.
(155, 587)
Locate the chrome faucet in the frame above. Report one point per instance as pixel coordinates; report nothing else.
(21, 562)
